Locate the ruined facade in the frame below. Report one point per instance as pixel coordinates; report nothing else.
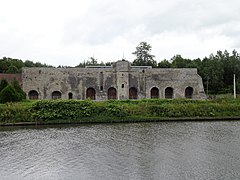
(119, 81)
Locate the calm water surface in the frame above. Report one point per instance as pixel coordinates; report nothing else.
(177, 151)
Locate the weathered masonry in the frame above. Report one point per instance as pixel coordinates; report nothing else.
(119, 81)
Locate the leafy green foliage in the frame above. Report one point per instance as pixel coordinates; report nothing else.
(67, 111)
(12, 92)
(92, 62)
(179, 62)
(15, 112)
(3, 84)
(143, 56)
(73, 109)
(8, 94)
(164, 64)
(10, 65)
(20, 92)
(216, 70)
(12, 69)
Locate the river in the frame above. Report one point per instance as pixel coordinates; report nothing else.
(164, 150)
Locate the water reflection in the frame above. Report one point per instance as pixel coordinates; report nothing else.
(183, 150)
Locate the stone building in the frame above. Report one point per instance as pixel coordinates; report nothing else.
(119, 81)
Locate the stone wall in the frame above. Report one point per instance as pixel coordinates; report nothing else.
(119, 81)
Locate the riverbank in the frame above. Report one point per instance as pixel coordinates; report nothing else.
(146, 110)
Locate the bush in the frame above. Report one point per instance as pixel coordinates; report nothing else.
(8, 94)
(115, 110)
(74, 109)
(17, 87)
(3, 84)
(15, 112)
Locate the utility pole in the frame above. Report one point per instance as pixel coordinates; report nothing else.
(234, 86)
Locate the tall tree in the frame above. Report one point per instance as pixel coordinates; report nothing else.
(212, 73)
(179, 62)
(144, 56)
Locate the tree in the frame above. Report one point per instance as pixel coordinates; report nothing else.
(81, 64)
(3, 84)
(212, 73)
(92, 62)
(8, 94)
(19, 91)
(143, 56)
(3, 66)
(28, 63)
(164, 64)
(179, 62)
(108, 63)
(12, 70)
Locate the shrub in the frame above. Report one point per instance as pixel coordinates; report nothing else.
(115, 110)
(8, 94)
(75, 109)
(15, 112)
(17, 87)
(3, 84)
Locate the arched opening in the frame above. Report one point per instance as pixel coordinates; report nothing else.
(70, 95)
(189, 92)
(154, 92)
(133, 93)
(112, 93)
(169, 93)
(56, 95)
(91, 93)
(33, 94)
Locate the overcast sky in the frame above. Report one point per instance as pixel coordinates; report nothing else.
(66, 32)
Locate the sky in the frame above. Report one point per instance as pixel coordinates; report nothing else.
(67, 32)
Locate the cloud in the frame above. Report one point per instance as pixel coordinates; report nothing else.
(106, 20)
(67, 32)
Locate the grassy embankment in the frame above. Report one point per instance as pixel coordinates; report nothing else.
(87, 111)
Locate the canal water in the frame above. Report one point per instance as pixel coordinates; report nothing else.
(165, 150)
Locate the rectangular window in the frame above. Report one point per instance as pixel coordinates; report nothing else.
(122, 85)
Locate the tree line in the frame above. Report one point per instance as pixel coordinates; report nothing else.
(13, 66)
(216, 70)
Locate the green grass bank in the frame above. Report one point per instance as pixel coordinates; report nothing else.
(87, 111)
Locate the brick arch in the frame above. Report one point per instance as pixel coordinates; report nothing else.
(133, 93)
(91, 93)
(169, 93)
(56, 95)
(112, 93)
(33, 94)
(154, 92)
